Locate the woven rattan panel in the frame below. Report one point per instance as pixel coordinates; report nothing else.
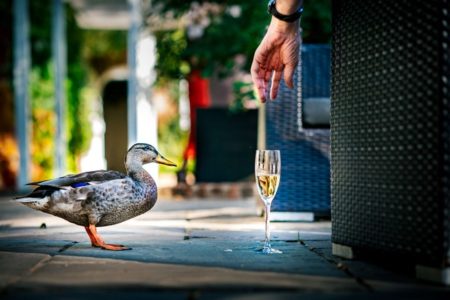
(390, 127)
(446, 119)
(305, 171)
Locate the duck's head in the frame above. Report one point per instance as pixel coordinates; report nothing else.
(142, 153)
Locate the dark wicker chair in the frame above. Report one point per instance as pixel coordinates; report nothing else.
(305, 173)
(390, 125)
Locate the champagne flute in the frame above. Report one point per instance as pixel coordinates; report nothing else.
(267, 173)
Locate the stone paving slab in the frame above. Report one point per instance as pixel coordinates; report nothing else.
(63, 270)
(187, 250)
(14, 266)
(205, 233)
(197, 250)
(63, 275)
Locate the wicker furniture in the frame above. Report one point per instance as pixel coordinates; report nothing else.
(305, 174)
(390, 125)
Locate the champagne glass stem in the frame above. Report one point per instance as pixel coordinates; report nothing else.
(267, 241)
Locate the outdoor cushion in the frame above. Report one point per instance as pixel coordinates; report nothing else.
(316, 112)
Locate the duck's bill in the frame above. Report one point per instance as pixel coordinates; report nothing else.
(164, 161)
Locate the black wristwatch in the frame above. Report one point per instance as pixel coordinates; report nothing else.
(286, 18)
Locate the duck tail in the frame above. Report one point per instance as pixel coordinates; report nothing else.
(26, 199)
(34, 203)
(38, 197)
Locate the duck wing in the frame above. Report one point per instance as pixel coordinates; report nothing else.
(81, 179)
(48, 187)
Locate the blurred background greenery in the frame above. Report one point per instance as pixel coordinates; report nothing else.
(216, 37)
(230, 28)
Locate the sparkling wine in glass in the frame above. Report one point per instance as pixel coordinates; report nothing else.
(267, 173)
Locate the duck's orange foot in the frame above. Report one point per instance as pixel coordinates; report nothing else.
(101, 245)
(113, 247)
(97, 241)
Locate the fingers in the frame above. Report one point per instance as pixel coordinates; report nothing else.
(290, 55)
(258, 80)
(262, 75)
(289, 74)
(261, 71)
(268, 67)
(275, 83)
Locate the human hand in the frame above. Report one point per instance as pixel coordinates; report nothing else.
(277, 54)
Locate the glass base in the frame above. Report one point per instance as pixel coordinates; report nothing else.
(269, 250)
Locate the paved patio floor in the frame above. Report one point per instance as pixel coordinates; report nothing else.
(196, 249)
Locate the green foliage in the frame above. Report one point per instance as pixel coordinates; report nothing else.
(316, 21)
(43, 121)
(171, 139)
(40, 14)
(78, 127)
(42, 89)
(243, 92)
(216, 51)
(228, 36)
(103, 42)
(171, 142)
(104, 48)
(170, 48)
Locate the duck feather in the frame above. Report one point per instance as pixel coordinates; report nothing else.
(98, 176)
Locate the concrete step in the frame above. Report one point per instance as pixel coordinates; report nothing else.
(227, 190)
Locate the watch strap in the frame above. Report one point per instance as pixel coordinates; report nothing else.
(286, 18)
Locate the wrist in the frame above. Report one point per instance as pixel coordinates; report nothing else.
(284, 27)
(288, 7)
(288, 11)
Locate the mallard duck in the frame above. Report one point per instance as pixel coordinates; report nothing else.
(100, 198)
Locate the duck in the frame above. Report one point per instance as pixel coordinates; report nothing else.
(103, 197)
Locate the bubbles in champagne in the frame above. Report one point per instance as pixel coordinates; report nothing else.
(267, 186)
